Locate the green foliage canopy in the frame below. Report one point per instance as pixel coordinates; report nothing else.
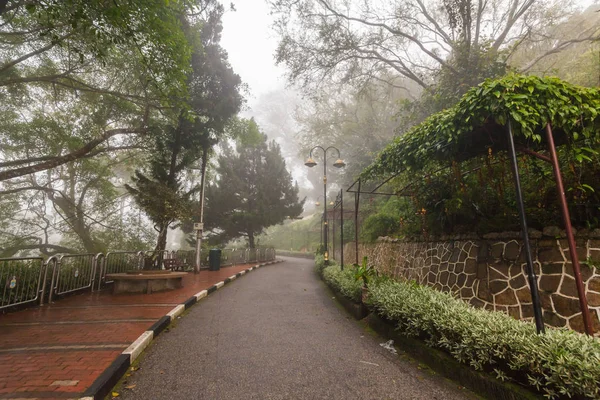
(528, 102)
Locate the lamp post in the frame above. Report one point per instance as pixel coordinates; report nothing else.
(339, 163)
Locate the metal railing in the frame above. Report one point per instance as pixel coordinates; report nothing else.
(28, 280)
(186, 257)
(21, 279)
(116, 262)
(154, 259)
(72, 273)
(233, 257)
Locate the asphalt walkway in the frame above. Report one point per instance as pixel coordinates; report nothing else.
(277, 334)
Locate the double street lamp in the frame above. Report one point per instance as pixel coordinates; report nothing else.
(318, 203)
(339, 163)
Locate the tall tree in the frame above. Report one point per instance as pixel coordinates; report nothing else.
(253, 189)
(160, 191)
(133, 51)
(353, 41)
(214, 98)
(565, 51)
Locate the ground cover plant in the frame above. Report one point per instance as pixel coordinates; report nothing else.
(559, 364)
(343, 281)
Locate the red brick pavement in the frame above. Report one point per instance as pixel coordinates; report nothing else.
(58, 350)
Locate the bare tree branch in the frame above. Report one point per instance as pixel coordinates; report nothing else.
(33, 53)
(391, 30)
(560, 47)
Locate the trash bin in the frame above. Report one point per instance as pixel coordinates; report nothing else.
(214, 259)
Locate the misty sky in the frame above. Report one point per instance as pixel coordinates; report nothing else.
(250, 41)
(251, 44)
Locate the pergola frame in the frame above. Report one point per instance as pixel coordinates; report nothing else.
(509, 145)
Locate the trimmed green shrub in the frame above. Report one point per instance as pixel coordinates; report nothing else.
(343, 281)
(319, 263)
(559, 363)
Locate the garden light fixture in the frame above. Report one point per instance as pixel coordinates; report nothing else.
(310, 162)
(339, 163)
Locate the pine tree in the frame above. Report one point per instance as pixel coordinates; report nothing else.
(253, 189)
(159, 191)
(214, 98)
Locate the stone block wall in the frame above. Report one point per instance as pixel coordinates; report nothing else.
(490, 273)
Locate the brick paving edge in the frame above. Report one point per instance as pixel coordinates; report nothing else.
(111, 375)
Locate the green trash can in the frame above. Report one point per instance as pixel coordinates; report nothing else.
(214, 259)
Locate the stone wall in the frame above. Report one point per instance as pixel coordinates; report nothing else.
(490, 273)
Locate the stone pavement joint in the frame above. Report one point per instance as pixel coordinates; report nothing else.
(64, 348)
(88, 338)
(114, 321)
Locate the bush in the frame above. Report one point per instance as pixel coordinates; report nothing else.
(344, 282)
(319, 263)
(379, 224)
(560, 363)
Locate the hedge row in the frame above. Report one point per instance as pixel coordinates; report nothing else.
(559, 364)
(344, 282)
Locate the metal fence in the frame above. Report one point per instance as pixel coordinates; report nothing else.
(29, 280)
(116, 262)
(186, 257)
(71, 273)
(21, 278)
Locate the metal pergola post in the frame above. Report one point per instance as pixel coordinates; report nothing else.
(585, 312)
(342, 228)
(356, 202)
(333, 234)
(531, 276)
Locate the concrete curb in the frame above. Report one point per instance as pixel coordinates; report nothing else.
(111, 375)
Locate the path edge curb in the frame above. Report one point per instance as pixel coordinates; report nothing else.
(102, 386)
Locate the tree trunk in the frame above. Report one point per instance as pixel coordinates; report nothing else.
(161, 243)
(251, 243)
(75, 218)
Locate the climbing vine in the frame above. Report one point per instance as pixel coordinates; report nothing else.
(455, 171)
(529, 102)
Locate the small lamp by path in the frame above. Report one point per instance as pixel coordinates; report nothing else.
(339, 163)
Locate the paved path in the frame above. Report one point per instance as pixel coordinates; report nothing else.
(276, 334)
(57, 351)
